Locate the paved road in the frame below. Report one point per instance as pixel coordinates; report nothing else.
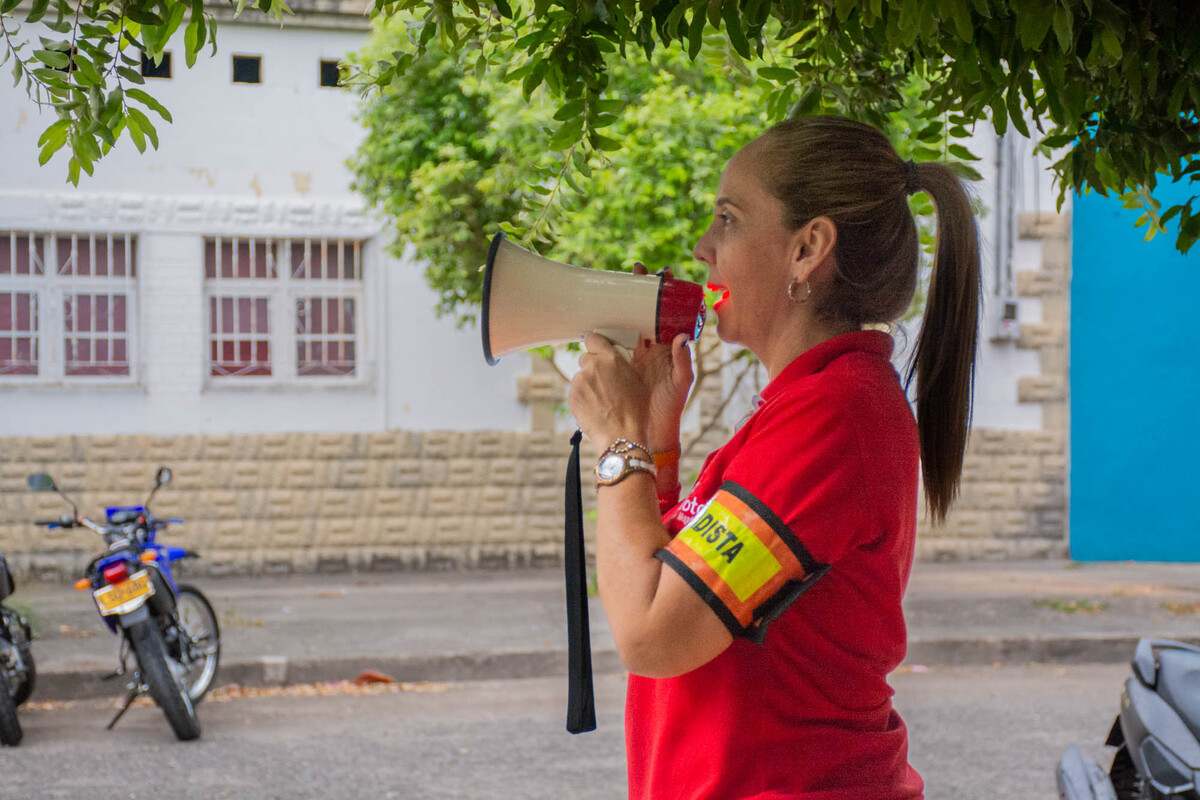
(977, 734)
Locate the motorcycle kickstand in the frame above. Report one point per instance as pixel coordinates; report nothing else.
(135, 691)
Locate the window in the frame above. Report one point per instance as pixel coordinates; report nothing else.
(247, 69)
(160, 70)
(283, 308)
(66, 304)
(329, 73)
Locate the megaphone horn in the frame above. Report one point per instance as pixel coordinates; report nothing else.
(529, 301)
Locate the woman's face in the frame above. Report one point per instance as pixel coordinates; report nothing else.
(747, 251)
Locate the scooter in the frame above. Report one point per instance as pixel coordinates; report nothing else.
(1156, 733)
(17, 672)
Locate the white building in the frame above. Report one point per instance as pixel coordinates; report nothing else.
(230, 283)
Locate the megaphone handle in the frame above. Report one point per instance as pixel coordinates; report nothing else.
(624, 339)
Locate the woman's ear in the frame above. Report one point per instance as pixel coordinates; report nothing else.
(813, 246)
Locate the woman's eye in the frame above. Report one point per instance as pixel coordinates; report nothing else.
(725, 218)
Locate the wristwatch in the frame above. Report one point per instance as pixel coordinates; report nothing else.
(618, 461)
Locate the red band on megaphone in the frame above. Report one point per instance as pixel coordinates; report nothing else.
(680, 310)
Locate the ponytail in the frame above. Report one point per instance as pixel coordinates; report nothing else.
(850, 172)
(944, 358)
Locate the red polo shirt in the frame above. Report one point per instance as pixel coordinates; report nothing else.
(799, 535)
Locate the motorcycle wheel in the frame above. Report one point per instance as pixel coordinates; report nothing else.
(10, 726)
(166, 689)
(1126, 780)
(25, 689)
(199, 621)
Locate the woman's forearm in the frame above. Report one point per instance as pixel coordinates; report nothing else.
(629, 533)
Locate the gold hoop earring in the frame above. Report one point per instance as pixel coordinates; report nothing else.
(791, 291)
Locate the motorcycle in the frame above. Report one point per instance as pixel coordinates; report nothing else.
(171, 628)
(17, 671)
(1156, 733)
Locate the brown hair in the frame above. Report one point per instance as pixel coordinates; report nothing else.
(849, 172)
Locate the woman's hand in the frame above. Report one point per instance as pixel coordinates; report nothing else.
(667, 372)
(608, 397)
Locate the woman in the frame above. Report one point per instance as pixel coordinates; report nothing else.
(760, 617)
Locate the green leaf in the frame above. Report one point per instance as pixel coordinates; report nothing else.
(56, 132)
(150, 103)
(52, 58)
(1112, 44)
(1033, 23)
(85, 72)
(1064, 28)
(133, 76)
(8, 5)
(567, 134)
(37, 10)
(504, 8)
(569, 109)
(960, 11)
(733, 28)
(144, 123)
(931, 132)
(1015, 111)
(73, 171)
(601, 142)
(959, 151)
(696, 32)
(534, 78)
(191, 43)
(135, 133)
(142, 16)
(778, 74)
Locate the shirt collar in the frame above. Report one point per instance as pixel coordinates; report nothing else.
(817, 358)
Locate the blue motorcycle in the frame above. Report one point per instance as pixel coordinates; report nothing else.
(171, 628)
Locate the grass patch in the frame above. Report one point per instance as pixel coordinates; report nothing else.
(1077, 605)
(1182, 609)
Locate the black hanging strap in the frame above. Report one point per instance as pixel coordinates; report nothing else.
(581, 702)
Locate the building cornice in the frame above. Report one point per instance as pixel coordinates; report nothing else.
(201, 214)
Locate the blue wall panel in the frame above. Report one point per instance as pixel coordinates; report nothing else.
(1135, 388)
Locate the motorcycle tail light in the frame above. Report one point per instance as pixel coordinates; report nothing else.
(116, 573)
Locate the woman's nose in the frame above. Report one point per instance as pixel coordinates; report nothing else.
(701, 250)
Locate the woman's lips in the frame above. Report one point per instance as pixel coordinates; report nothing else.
(716, 287)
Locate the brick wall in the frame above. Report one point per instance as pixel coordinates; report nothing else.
(283, 502)
(1013, 501)
(313, 501)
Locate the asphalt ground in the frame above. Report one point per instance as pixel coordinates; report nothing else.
(976, 733)
(503, 625)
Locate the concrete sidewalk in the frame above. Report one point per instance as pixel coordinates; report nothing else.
(477, 625)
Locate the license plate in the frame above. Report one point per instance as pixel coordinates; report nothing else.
(112, 599)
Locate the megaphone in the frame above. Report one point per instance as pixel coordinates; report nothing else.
(529, 301)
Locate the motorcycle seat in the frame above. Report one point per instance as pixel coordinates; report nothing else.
(1179, 684)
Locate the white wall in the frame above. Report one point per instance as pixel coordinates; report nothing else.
(247, 160)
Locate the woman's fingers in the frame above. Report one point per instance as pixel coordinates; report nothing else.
(595, 343)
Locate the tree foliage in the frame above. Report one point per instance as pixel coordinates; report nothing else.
(1111, 88)
(85, 66)
(452, 154)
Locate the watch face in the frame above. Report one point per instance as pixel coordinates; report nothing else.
(610, 466)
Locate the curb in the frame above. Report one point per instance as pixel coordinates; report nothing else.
(277, 670)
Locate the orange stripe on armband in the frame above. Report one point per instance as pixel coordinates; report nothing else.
(738, 553)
